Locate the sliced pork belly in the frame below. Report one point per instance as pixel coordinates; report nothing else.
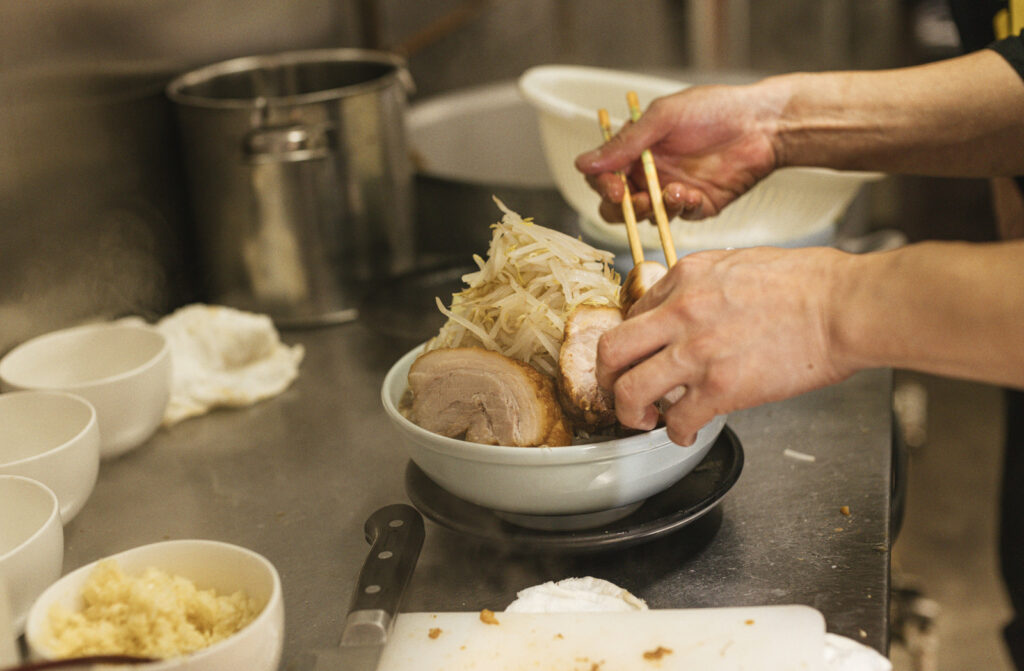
(588, 405)
(642, 277)
(485, 397)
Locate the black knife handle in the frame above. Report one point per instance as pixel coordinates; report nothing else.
(395, 534)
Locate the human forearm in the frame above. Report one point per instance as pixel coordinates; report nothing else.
(953, 309)
(963, 116)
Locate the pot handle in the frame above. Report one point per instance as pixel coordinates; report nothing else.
(288, 144)
(406, 80)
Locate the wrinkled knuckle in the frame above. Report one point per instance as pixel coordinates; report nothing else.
(679, 356)
(696, 309)
(715, 382)
(683, 271)
(659, 106)
(702, 347)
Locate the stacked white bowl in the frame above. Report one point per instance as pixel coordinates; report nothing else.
(123, 370)
(52, 437)
(31, 544)
(71, 398)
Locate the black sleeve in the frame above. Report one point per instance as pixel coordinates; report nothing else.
(973, 20)
(1012, 49)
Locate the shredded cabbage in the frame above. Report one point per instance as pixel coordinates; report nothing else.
(518, 300)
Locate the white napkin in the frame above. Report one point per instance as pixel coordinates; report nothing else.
(846, 654)
(575, 595)
(221, 356)
(588, 594)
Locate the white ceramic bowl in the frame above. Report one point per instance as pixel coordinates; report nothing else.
(124, 370)
(210, 565)
(791, 207)
(52, 437)
(570, 480)
(31, 542)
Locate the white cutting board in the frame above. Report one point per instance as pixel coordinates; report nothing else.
(765, 638)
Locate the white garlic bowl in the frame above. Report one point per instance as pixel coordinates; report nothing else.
(223, 567)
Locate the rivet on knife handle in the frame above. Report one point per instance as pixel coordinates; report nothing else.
(395, 534)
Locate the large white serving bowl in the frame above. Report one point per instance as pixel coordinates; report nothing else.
(222, 567)
(52, 437)
(568, 480)
(792, 207)
(124, 370)
(31, 542)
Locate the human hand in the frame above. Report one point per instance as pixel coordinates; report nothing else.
(737, 328)
(710, 144)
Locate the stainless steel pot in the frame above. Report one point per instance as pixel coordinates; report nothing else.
(299, 178)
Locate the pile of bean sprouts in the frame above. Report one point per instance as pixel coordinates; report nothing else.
(518, 300)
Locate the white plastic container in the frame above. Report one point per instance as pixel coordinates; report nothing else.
(792, 207)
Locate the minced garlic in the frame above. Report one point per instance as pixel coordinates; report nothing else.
(154, 614)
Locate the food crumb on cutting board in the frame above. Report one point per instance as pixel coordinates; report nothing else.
(434, 632)
(657, 653)
(487, 617)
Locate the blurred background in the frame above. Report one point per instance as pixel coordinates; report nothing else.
(94, 220)
(93, 212)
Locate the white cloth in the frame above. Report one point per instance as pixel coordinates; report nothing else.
(588, 594)
(846, 654)
(575, 595)
(221, 356)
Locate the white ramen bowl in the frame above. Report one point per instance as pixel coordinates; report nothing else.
(123, 370)
(222, 567)
(569, 480)
(31, 542)
(52, 437)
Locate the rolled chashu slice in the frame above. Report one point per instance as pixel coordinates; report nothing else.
(641, 277)
(485, 397)
(590, 406)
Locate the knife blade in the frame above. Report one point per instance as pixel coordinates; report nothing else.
(395, 534)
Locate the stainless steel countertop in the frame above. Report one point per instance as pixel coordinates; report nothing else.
(294, 478)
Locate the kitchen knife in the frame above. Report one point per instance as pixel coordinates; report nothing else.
(395, 534)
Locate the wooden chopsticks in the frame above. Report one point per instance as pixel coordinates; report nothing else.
(635, 248)
(653, 188)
